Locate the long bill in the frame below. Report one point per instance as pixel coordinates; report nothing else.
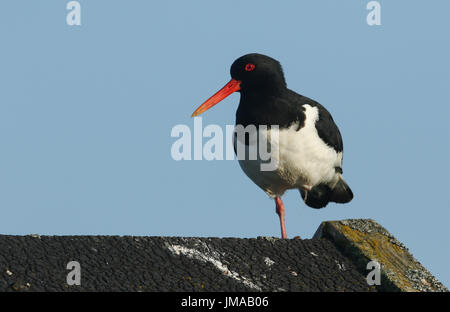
(232, 86)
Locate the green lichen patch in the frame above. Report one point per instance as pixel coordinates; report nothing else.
(364, 240)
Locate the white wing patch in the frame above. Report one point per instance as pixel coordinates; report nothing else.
(304, 159)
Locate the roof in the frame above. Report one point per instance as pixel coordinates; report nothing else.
(328, 262)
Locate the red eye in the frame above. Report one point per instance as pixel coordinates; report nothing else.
(249, 67)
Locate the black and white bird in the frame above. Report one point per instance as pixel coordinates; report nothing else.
(309, 146)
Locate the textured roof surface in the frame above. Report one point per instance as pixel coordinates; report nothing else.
(113, 263)
(335, 259)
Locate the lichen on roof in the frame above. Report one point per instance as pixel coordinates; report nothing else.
(364, 240)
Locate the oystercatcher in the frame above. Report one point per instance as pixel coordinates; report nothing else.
(309, 143)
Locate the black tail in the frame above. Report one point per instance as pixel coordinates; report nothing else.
(341, 192)
(320, 195)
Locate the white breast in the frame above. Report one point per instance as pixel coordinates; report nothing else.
(303, 159)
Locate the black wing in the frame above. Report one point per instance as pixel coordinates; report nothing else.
(326, 128)
(286, 110)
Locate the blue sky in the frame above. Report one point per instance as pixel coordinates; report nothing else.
(86, 114)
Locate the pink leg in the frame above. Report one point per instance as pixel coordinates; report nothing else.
(280, 213)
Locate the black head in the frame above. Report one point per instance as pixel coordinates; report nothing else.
(258, 72)
(251, 74)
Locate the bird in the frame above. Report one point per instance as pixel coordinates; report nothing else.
(309, 144)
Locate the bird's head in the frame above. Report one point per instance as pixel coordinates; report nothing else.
(249, 74)
(258, 72)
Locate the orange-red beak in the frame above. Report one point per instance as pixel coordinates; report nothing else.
(231, 87)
